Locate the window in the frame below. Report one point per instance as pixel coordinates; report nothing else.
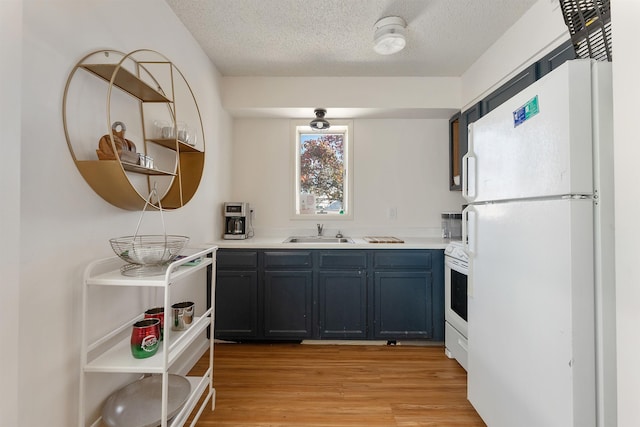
(322, 174)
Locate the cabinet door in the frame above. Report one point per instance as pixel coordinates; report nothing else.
(455, 159)
(342, 304)
(403, 305)
(466, 117)
(522, 80)
(288, 297)
(236, 305)
(555, 58)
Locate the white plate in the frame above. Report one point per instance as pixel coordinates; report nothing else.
(139, 404)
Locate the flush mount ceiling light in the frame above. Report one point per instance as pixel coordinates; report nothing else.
(389, 35)
(319, 123)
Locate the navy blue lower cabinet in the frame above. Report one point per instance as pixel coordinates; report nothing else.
(288, 304)
(237, 295)
(342, 308)
(403, 305)
(408, 294)
(329, 294)
(236, 304)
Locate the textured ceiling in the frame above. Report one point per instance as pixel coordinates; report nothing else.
(334, 37)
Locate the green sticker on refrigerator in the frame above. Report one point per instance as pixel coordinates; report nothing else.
(525, 112)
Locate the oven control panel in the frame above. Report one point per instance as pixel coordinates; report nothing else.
(456, 250)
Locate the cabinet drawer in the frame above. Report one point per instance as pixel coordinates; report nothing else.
(237, 259)
(346, 259)
(289, 259)
(402, 259)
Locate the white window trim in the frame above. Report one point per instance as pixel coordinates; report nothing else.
(302, 126)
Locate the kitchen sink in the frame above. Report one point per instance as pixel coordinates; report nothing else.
(317, 239)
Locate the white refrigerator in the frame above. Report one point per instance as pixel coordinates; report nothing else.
(539, 232)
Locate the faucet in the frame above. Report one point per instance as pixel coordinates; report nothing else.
(320, 227)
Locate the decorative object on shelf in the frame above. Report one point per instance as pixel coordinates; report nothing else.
(163, 129)
(182, 315)
(182, 132)
(145, 338)
(139, 403)
(389, 35)
(148, 255)
(145, 161)
(156, 313)
(126, 150)
(150, 94)
(319, 123)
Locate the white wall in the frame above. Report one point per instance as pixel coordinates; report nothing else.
(401, 145)
(366, 95)
(10, 84)
(539, 31)
(398, 163)
(64, 224)
(626, 92)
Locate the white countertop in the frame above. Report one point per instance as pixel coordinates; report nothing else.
(359, 243)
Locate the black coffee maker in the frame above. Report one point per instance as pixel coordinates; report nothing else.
(235, 220)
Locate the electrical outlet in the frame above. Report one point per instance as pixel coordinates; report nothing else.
(392, 213)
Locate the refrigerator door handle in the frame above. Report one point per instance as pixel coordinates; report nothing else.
(468, 229)
(469, 169)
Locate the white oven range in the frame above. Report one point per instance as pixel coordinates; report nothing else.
(456, 270)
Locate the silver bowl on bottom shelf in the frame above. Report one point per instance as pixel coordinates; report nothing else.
(139, 404)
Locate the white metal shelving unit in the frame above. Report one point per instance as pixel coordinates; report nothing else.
(111, 353)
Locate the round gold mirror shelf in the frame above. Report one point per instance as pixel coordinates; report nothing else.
(142, 89)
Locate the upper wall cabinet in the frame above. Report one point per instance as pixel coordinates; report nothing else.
(510, 88)
(458, 142)
(458, 123)
(555, 58)
(455, 159)
(132, 124)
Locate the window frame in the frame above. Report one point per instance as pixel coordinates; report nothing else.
(299, 127)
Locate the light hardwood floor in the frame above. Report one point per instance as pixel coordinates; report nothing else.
(336, 385)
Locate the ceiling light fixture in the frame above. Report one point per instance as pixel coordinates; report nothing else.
(389, 35)
(319, 123)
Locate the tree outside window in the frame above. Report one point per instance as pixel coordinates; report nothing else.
(322, 171)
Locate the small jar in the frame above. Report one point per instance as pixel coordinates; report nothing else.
(182, 132)
(159, 127)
